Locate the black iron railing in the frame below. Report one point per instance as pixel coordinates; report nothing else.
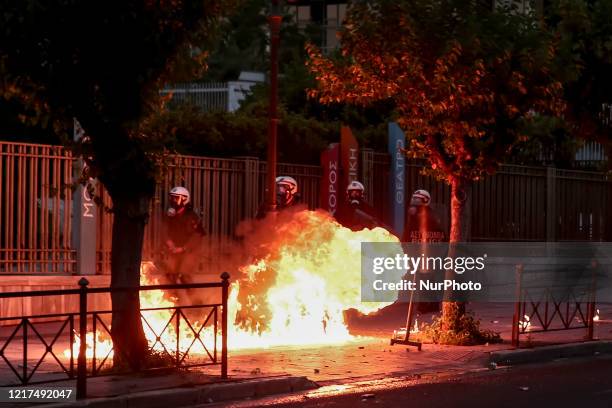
(25, 333)
(553, 308)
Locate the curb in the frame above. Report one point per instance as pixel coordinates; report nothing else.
(548, 353)
(202, 394)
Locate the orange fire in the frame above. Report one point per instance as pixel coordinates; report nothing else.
(304, 274)
(104, 346)
(525, 324)
(596, 317)
(155, 324)
(309, 273)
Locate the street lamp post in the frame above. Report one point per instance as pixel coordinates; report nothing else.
(275, 22)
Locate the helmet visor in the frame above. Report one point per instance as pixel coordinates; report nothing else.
(284, 188)
(418, 200)
(283, 193)
(177, 200)
(355, 194)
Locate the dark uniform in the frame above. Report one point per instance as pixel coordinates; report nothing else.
(423, 226)
(357, 216)
(263, 208)
(183, 232)
(355, 213)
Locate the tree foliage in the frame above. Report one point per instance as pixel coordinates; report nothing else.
(243, 133)
(242, 46)
(463, 79)
(584, 32)
(103, 63)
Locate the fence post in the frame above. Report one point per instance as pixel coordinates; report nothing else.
(551, 204)
(82, 358)
(590, 320)
(24, 321)
(516, 330)
(224, 294)
(592, 300)
(178, 337)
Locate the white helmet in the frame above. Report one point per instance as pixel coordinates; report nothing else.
(423, 195)
(289, 183)
(181, 192)
(355, 185)
(286, 190)
(354, 192)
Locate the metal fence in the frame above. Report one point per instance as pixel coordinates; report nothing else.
(553, 308)
(35, 208)
(517, 203)
(521, 203)
(590, 155)
(224, 192)
(211, 96)
(24, 351)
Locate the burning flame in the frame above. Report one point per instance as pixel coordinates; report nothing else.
(154, 322)
(415, 328)
(305, 274)
(297, 291)
(103, 344)
(596, 317)
(525, 324)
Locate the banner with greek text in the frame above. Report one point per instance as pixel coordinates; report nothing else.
(397, 142)
(349, 158)
(330, 162)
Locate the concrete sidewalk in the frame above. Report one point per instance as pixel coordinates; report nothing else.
(257, 373)
(365, 360)
(182, 394)
(550, 353)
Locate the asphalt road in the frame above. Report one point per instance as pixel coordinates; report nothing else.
(567, 383)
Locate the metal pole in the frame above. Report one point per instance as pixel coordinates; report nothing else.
(82, 358)
(410, 311)
(25, 350)
(592, 300)
(516, 330)
(71, 343)
(94, 331)
(224, 295)
(275, 22)
(178, 336)
(590, 320)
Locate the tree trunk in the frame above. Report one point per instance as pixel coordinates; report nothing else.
(130, 216)
(459, 232)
